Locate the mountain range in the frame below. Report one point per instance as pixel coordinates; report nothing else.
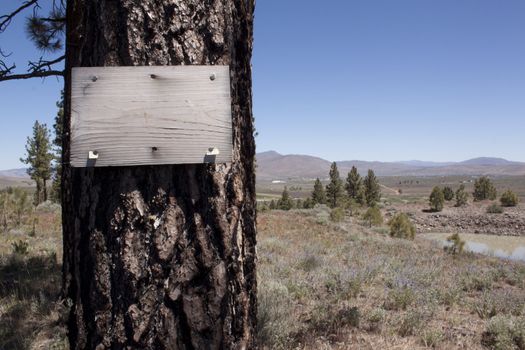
(272, 165)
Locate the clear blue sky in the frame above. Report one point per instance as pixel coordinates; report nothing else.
(369, 79)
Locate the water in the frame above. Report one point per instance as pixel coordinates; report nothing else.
(508, 247)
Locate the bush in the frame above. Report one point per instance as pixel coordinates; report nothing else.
(509, 199)
(337, 214)
(402, 227)
(456, 244)
(484, 189)
(437, 199)
(21, 247)
(504, 333)
(494, 209)
(373, 216)
(461, 196)
(448, 193)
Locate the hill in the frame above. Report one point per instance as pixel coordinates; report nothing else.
(274, 166)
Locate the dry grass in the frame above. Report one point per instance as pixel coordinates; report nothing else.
(30, 316)
(339, 286)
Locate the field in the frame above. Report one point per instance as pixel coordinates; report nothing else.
(322, 285)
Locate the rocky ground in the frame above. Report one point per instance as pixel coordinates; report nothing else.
(469, 219)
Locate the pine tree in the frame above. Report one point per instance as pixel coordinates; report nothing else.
(334, 190)
(354, 186)
(437, 199)
(461, 196)
(57, 142)
(318, 194)
(484, 189)
(285, 203)
(372, 189)
(39, 157)
(448, 193)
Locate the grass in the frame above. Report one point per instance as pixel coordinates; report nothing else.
(322, 285)
(30, 280)
(327, 285)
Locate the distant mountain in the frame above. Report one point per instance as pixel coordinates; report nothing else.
(21, 173)
(274, 166)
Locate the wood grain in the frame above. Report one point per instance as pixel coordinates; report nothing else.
(150, 115)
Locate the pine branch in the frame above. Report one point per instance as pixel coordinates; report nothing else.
(40, 69)
(6, 19)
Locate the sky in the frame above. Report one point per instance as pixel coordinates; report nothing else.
(440, 80)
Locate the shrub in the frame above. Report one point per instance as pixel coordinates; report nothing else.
(484, 189)
(448, 193)
(399, 298)
(21, 247)
(431, 338)
(373, 216)
(437, 199)
(337, 214)
(461, 196)
(402, 227)
(456, 244)
(504, 333)
(494, 209)
(410, 324)
(376, 319)
(509, 199)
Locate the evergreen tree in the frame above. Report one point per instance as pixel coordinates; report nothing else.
(318, 194)
(484, 189)
(354, 186)
(437, 199)
(461, 196)
(373, 216)
(334, 190)
(285, 203)
(273, 205)
(509, 199)
(39, 157)
(372, 189)
(308, 203)
(57, 142)
(448, 193)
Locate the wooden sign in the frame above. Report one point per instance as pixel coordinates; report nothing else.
(122, 116)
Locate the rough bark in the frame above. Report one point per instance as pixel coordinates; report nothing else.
(162, 257)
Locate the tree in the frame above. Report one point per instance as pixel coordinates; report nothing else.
(334, 189)
(437, 199)
(509, 199)
(402, 227)
(273, 205)
(448, 193)
(372, 189)
(285, 203)
(484, 189)
(21, 204)
(39, 157)
(162, 257)
(354, 186)
(461, 196)
(57, 142)
(318, 194)
(373, 216)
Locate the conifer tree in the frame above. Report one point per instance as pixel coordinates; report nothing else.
(437, 199)
(285, 203)
(448, 193)
(484, 189)
(318, 194)
(461, 196)
(372, 189)
(354, 186)
(57, 143)
(39, 157)
(334, 190)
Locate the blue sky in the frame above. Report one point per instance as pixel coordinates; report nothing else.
(357, 79)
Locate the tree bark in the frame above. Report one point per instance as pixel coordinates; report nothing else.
(162, 257)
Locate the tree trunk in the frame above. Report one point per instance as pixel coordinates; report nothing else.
(162, 257)
(44, 189)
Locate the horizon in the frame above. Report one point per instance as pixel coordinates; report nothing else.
(440, 82)
(355, 160)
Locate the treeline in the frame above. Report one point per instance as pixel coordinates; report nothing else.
(484, 189)
(355, 191)
(44, 158)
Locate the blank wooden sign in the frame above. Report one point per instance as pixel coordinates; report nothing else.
(123, 116)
